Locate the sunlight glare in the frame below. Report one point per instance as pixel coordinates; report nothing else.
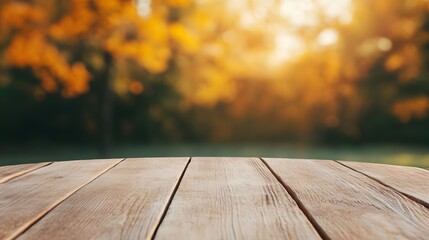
(384, 44)
(143, 7)
(327, 37)
(301, 13)
(338, 9)
(373, 46)
(288, 46)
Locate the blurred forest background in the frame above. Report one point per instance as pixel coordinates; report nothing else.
(344, 79)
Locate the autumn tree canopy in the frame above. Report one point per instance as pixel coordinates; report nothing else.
(64, 42)
(302, 65)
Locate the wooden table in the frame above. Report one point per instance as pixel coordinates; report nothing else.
(213, 198)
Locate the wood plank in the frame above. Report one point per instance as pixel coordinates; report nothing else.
(125, 203)
(25, 199)
(9, 172)
(233, 198)
(349, 205)
(412, 181)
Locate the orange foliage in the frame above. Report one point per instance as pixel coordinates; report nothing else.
(183, 38)
(316, 80)
(407, 109)
(32, 50)
(178, 3)
(20, 15)
(136, 87)
(258, 57)
(113, 26)
(407, 61)
(78, 21)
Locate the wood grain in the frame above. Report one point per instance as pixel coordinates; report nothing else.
(411, 181)
(227, 198)
(349, 205)
(9, 172)
(25, 199)
(125, 203)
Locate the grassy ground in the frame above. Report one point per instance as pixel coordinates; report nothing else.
(399, 155)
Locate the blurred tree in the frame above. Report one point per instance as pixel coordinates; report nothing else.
(266, 62)
(245, 69)
(395, 84)
(68, 45)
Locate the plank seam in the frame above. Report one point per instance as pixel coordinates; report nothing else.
(412, 198)
(21, 230)
(301, 206)
(170, 200)
(23, 172)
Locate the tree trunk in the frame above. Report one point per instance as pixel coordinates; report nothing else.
(106, 109)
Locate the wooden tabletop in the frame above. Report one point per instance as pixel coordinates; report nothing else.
(213, 198)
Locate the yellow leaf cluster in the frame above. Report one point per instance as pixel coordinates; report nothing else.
(108, 7)
(224, 51)
(114, 26)
(213, 87)
(136, 87)
(20, 15)
(148, 46)
(77, 22)
(406, 60)
(48, 63)
(184, 38)
(407, 109)
(178, 3)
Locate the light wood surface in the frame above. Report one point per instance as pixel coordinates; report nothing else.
(225, 198)
(26, 199)
(9, 172)
(349, 205)
(412, 181)
(125, 203)
(213, 198)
